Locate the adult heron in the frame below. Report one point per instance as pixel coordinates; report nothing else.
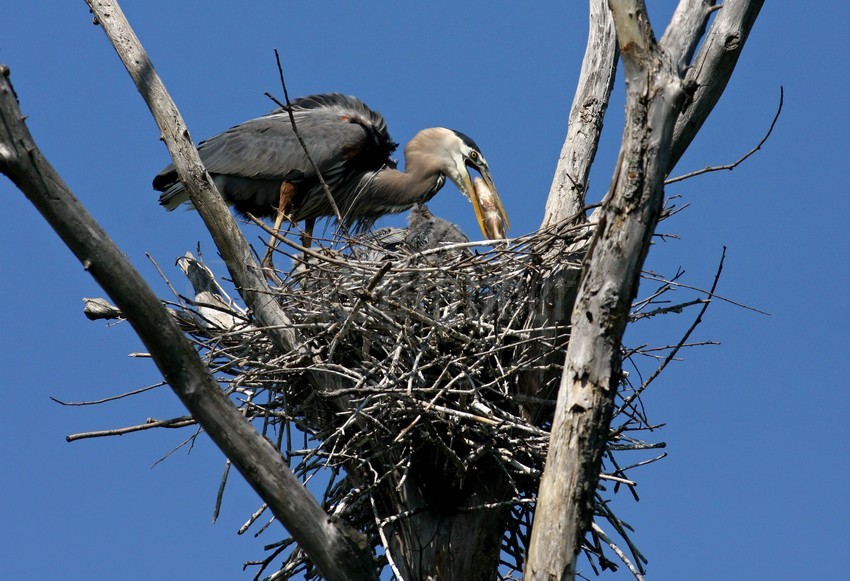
(260, 167)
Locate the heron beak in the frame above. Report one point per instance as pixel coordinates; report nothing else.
(491, 215)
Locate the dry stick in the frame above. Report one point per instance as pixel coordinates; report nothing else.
(220, 495)
(252, 519)
(684, 338)
(644, 462)
(108, 399)
(384, 540)
(618, 479)
(370, 266)
(733, 165)
(180, 422)
(665, 310)
(598, 530)
(364, 296)
(308, 251)
(648, 351)
(620, 526)
(288, 108)
(190, 441)
(697, 289)
(268, 560)
(164, 278)
(609, 454)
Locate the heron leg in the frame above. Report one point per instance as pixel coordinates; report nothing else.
(287, 191)
(307, 236)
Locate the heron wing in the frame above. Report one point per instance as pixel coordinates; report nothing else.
(342, 135)
(267, 147)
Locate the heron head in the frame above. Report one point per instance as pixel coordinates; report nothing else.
(459, 154)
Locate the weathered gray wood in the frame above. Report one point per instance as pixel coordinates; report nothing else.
(339, 551)
(566, 196)
(712, 68)
(460, 544)
(100, 309)
(228, 238)
(610, 281)
(686, 27)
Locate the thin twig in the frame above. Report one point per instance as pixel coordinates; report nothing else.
(108, 399)
(598, 530)
(684, 338)
(181, 422)
(288, 109)
(220, 495)
(733, 165)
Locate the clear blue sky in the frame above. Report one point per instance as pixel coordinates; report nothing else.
(755, 486)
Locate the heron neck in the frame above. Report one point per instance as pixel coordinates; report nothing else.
(416, 184)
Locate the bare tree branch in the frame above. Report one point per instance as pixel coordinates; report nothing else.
(566, 196)
(610, 280)
(263, 467)
(740, 160)
(712, 68)
(334, 547)
(228, 238)
(180, 422)
(683, 341)
(686, 27)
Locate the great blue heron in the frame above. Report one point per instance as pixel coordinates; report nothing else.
(260, 168)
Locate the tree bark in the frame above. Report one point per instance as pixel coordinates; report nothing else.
(567, 194)
(609, 283)
(460, 543)
(712, 68)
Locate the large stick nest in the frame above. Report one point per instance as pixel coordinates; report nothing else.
(454, 351)
(449, 351)
(427, 350)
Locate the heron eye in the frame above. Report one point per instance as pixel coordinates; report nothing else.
(473, 155)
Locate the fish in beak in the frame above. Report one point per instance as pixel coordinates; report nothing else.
(491, 215)
(465, 155)
(489, 211)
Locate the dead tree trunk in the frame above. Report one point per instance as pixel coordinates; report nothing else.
(448, 539)
(655, 97)
(556, 290)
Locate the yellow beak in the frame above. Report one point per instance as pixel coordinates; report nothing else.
(491, 215)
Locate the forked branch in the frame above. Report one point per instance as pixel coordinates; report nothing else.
(627, 220)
